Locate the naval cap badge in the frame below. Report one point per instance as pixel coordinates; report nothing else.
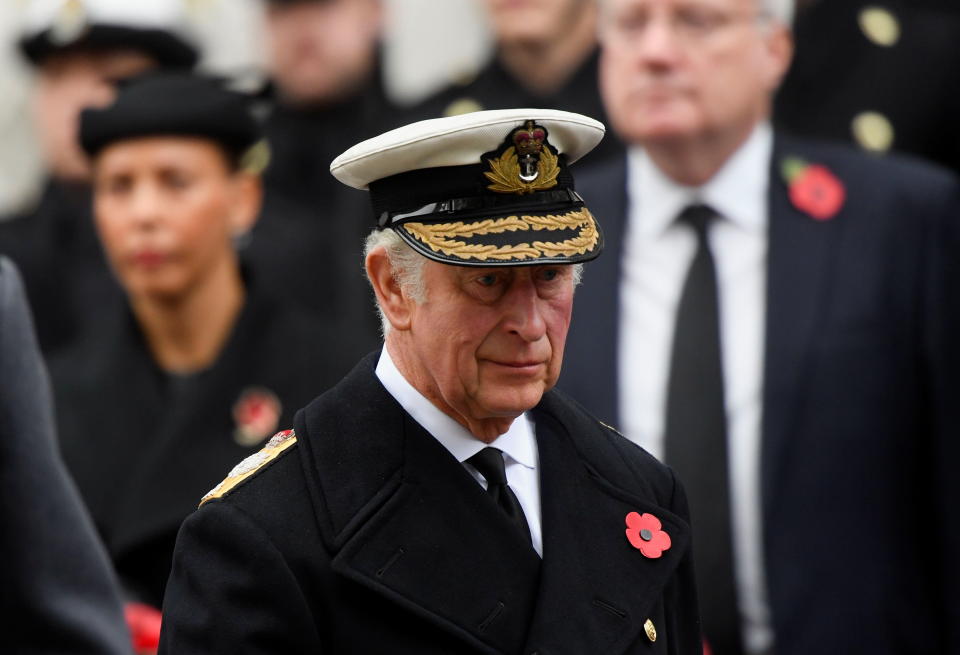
(527, 164)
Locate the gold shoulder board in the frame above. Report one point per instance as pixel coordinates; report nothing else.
(611, 428)
(245, 469)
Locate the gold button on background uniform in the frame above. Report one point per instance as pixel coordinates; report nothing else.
(880, 26)
(873, 131)
(651, 631)
(462, 106)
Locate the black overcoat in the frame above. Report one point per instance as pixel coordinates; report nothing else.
(56, 591)
(367, 536)
(143, 446)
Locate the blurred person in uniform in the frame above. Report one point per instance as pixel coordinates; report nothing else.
(879, 75)
(546, 56)
(58, 593)
(203, 364)
(777, 320)
(323, 58)
(79, 49)
(326, 92)
(442, 498)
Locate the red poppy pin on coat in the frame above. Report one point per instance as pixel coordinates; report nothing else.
(813, 188)
(644, 533)
(256, 414)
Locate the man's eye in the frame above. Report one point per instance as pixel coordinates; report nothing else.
(699, 20)
(116, 185)
(550, 274)
(487, 280)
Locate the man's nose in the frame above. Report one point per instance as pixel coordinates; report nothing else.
(525, 311)
(658, 45)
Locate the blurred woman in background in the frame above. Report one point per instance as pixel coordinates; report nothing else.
(200, 366)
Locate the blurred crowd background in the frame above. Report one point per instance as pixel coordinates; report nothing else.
(146, 424)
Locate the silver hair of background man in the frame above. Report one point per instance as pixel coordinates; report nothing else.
(781, 11)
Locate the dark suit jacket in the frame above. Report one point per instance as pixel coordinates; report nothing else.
(366, 536)
(57, 594)
(861, 510)
(144, 445)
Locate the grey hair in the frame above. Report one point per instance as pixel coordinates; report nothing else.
(407, 265)
(781, 11)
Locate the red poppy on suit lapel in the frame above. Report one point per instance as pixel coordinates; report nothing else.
(644, 534)
(813, 188)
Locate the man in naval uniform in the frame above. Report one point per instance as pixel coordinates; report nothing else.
(443, 498)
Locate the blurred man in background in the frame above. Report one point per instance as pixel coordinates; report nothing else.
(79, 49)
(777, 319)
(327, 92)
(324, 63)
(546, 56)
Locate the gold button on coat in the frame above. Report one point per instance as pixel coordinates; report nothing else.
(873, 131)
(880, 26)
(651, 631)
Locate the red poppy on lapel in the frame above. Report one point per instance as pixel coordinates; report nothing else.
(644, 534)
(813, 188)
(256, 414)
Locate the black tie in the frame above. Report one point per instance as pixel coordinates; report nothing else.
(696, 438)
(489, 462)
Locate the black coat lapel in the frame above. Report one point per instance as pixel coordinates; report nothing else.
(596, 590)
(594, 331)
(406, 520)
(800, 264)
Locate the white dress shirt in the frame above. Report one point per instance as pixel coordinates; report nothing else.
(518, 443)
(657, 255)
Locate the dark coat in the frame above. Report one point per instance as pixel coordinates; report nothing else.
(496, 88)
(307, 245)
(304, 140)
(861, 505)
(143, 444)
(57, 593)
(366, 536)
(67, 279)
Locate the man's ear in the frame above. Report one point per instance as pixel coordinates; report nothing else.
(780, 54)
(395, 304)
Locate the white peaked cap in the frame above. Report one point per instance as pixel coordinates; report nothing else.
(457, 141)
(41, 15)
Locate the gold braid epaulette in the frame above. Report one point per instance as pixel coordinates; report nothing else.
(245, 469)
(611, 428)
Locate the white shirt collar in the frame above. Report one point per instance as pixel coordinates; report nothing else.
(517, 442)
(737, 192)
